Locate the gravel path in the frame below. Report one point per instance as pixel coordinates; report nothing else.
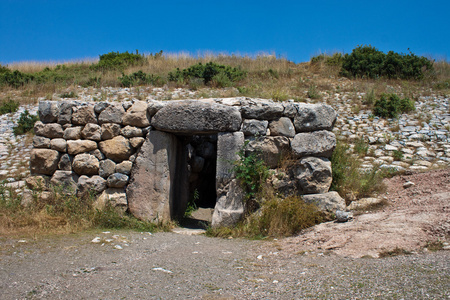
(174, 266)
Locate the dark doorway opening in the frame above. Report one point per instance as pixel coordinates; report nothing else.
(201, 163)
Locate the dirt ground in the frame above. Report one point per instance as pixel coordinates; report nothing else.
(412, 217)
(329, 261)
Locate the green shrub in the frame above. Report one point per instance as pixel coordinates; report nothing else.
(15, 79)
(390, 106)
(206, 72)
(140, 78)
(9, 106)
(369, 62)
(25, 123)
(118, 61)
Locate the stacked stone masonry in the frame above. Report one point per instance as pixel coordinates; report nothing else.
(148, 156)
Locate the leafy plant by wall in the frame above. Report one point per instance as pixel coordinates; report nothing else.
(251, 171)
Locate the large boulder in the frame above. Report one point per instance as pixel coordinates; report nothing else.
(48, 111)
(107, 167)
(229, 207)
(117, 180)
(116, 198)
(65, 112)
(85, 164)
(153, 106)
(110, 130)
(158, 186)
(37, 182)
(92, 132)
(270, 148)
(75, 147)
(136, 142)
(313, 175)
(51, 130)
(67, 180)
(283, 126)
(312, 117)
(131, 131)
(124, 167)
(195, 117)
(328, 202)
(58, 145)
(262, 110)
(318, 143)
(72, 133)
(43, 161)
(254, 127)
(65, 162)
(137, 115)
(228, 146)
(90, 185)
(112, 114)
(41, 142)
(117, 148)
(83, 114)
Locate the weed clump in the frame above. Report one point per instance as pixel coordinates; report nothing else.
(348, 178)
(390, 106)
(277, 216)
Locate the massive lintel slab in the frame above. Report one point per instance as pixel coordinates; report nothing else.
(195, 117)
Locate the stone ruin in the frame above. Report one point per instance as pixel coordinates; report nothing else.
(151, 157)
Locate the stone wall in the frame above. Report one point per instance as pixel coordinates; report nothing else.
(141, 156)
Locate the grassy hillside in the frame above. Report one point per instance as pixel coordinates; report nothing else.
(265, 76)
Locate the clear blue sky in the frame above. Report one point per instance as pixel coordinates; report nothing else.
(69, 29)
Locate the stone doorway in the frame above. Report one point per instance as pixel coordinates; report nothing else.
(201, 164)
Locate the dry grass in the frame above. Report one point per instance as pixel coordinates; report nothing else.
(268, 76)
(56, 212)
(37, 66)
